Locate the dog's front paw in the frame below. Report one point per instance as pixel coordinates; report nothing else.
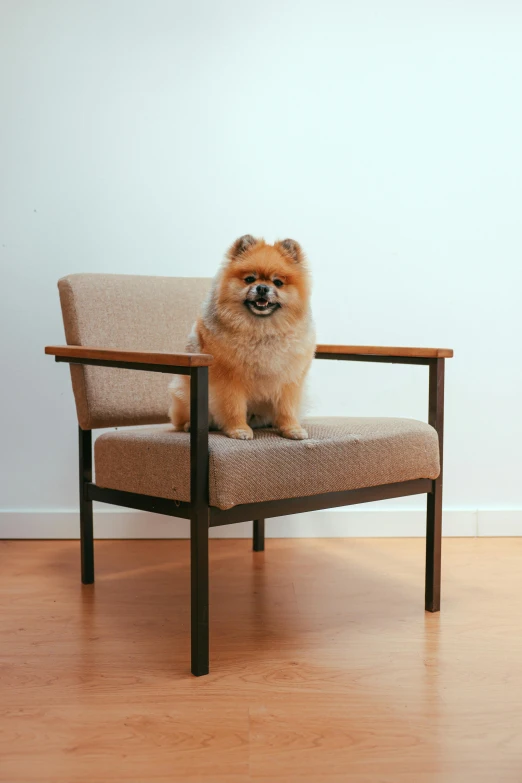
(294, 433)
(181, 427)
(240, 433)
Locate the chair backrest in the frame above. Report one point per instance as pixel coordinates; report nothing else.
(131, 312)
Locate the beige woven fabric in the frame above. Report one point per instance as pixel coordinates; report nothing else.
(341, 454)
(131, 312)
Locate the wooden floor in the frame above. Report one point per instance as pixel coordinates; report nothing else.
(324, 666)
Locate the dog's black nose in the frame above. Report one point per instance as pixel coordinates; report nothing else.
(262, 290)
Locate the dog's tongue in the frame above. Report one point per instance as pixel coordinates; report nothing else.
(261, 302)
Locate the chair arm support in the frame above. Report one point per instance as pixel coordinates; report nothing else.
(372, 353)
(151, 361)
(193, 364)
(435, 358)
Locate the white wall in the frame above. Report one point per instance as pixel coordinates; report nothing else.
(143, 136)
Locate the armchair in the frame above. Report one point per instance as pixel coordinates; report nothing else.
(198, 476)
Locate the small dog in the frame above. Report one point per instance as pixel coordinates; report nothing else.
(257, 324)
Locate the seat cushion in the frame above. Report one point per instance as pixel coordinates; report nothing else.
(341, 454)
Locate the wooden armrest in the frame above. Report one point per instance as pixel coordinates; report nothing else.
(133, 357)
(373, 350)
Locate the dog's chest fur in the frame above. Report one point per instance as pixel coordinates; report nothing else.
(266, 358)
(272, 360)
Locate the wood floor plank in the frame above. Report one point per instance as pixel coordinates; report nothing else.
(324, 666)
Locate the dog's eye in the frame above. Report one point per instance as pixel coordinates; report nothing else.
(250, 279)
(278, 283)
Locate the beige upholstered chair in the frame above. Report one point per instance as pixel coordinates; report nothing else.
(126, 335)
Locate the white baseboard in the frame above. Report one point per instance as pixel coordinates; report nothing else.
(387, 523)
(502, 522)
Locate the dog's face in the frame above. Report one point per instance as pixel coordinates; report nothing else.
(263, 281)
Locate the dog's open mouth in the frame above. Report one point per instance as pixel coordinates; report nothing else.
(261, 306)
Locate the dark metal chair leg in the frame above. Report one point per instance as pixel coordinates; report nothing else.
(259, 535)
(433, 548)
(434, 505)
(86, 527)
(199, 528)
(200, 521)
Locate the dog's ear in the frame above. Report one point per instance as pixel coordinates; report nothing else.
(291, 248)
(241, 245)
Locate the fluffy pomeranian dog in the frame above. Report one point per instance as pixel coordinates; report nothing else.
(257, 324)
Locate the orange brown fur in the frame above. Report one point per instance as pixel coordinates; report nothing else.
(261, 352)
